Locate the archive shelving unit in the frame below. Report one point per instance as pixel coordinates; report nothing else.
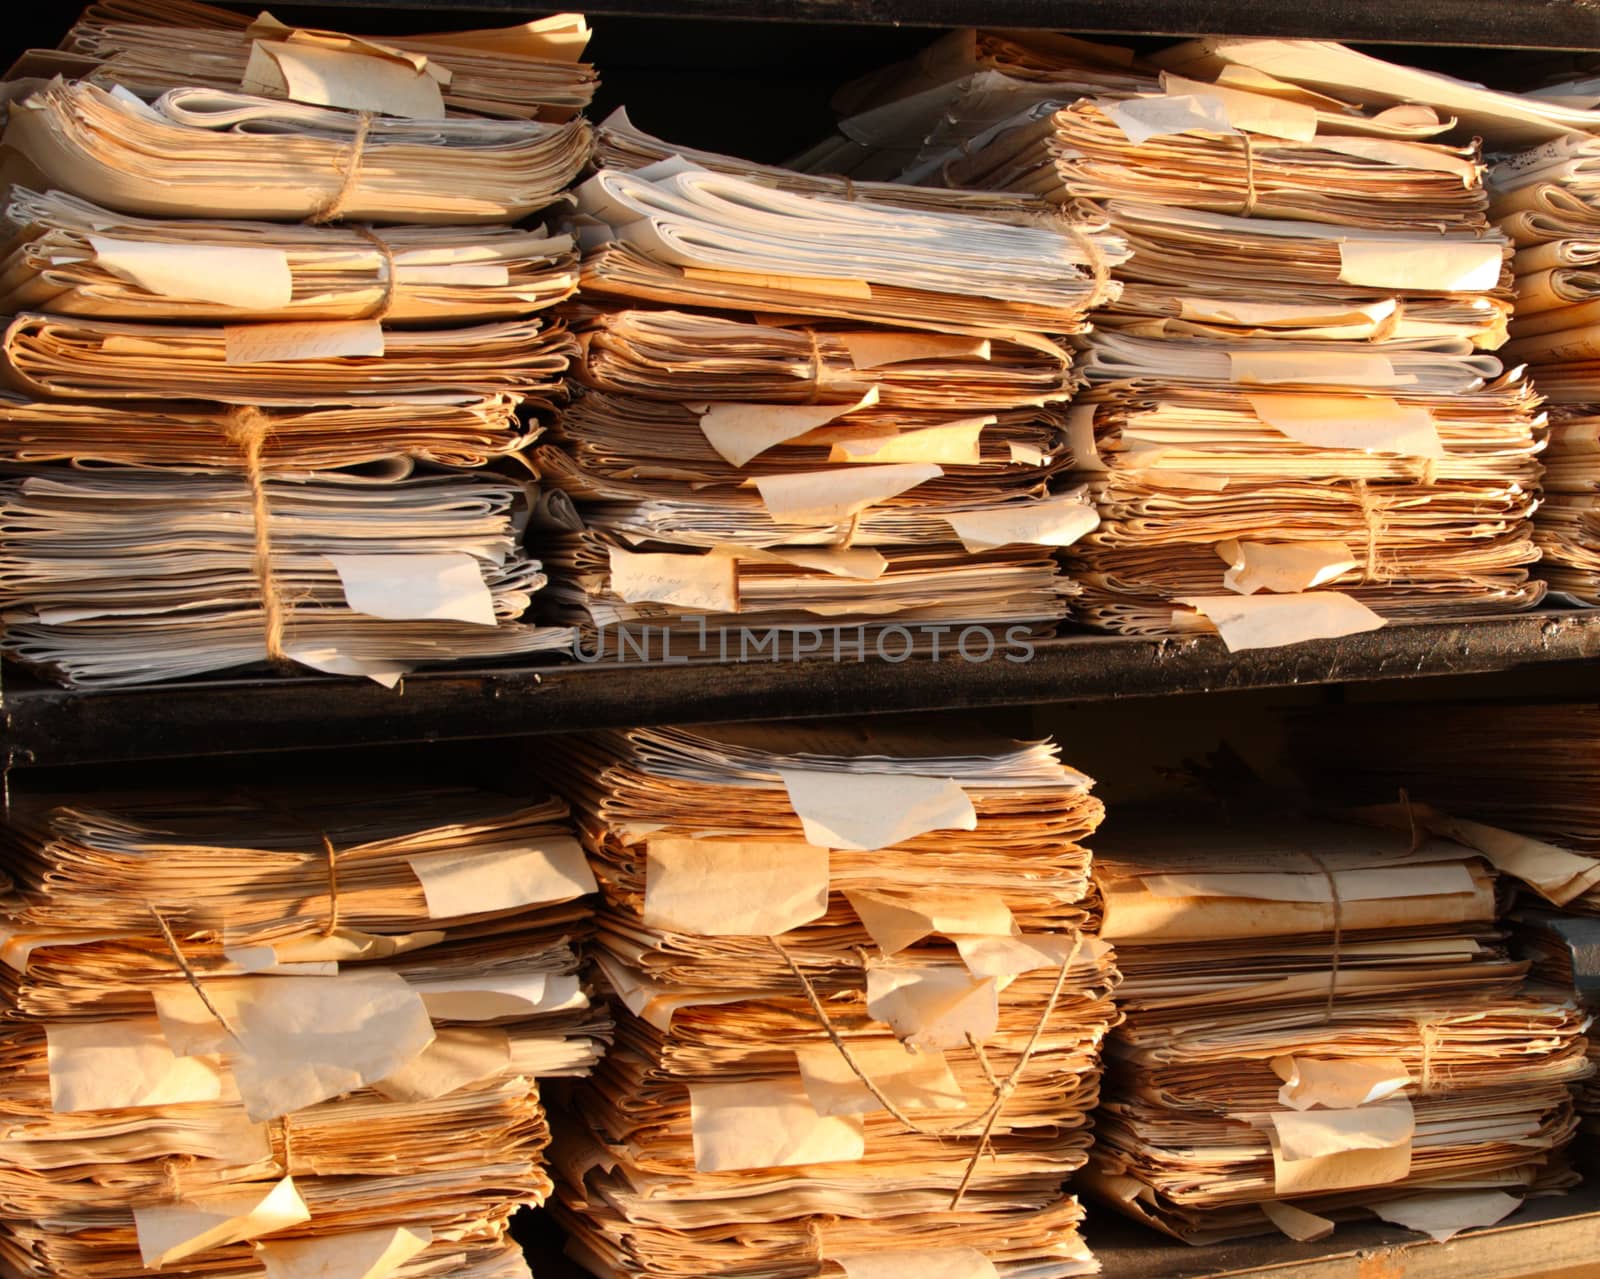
(691, 47)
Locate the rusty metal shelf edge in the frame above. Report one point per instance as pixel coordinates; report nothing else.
(1534, 24)
(41, 725)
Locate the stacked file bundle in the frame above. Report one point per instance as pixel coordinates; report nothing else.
(199, 298)
(1358, 1040)
(1547, 201)
(863, 1014)
(888, 452)
(1290, 391)
(284, 1032)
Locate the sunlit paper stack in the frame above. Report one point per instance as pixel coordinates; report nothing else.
(891, 453)
(919, 892)
(284, 1032)
(157, 324)
(907, 121)
(1358, 1038)
(1561, 948)
(1519, 781)
(531, 71)
(1299, 435)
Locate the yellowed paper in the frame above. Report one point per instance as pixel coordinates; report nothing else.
(301, 340)
(355, 1254)
(1444, 266)
(1338, 1084)
(1445, 1214)
(1004, 957)
(1296, 1223)
(171, 1233)
(477, 883)
(1554, 873)
(112, 1065)
(404, 588)
(933, 1005)
(1254, 112)
(1024, 454)
(715, 888)
(1267, 621)
(859, 562)
(325, 77)
(955, 444)
(1323, 368)
(827, 497)
(253, 279)
(500, 997)
(740, 432)
(767, 1123)
(895, 922)
(1081, 440)
(875, 350)
(911, 1079)
(1141, 119)
(917, 1263)
(1315, 1134)
(1282, 567)
(706, 583)
(874, 810)
(1057, 521)
(458, 1057)
(1371, 423)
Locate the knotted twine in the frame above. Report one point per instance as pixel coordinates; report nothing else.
(333, 207)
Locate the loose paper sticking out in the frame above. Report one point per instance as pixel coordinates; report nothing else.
(331, 660)
(1141, 119)
(1445, 1214)
(112, 1065)
(912, 1080)
(301, 1040)
(767, 1123)
(740, 432)
(325, 950)
(16, 948)
(1338, 1085)
(1081, 441)
(252, 279)
(828, 497)
(1341, 1149)
(1024, 454)
(924, 1263)
(478, 883)
(301, 340)
(1304, 368)
(403, 588)
(1005, 957)
(860, 562)
(706, 583)
(1556, 874)
(895, 922)
(356, 1254)
(1049, 522)
(710, 888)
(1255, 112)
(933, 1005)
(1297, 1223)
(1370, 423)
(1310, 885)
(334, 78)
(874, 350)
(1286, 315)
(1282, 567)
(875, 810)
(1267, 621)
(171, 1233)
(1439, 266)
(500, 998)
(458, 1057)
(954, 444)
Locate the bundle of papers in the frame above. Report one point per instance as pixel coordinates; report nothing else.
(1288, 430)
(1273, 157)
(910, 121)
(74, 258)
(284, 1031)
(530, 71)
(1516, 781)
(119, 577)
(237, 155)
(1560, 948)
(899, 906)
(1359, 1038)
(1567, 528)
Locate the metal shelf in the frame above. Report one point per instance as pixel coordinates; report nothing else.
(43, 725)
(1532, 24)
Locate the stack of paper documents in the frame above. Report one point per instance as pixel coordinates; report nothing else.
(907, 121)
(1518, 781)
(789, 914)
(527, 72)
(290, 1031)
(1358, 1039)
(892, 452)
(1287, 395)
(204, 323)
(1561, 948)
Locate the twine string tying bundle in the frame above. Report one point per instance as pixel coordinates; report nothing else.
(333, 207)
(1249, 205)
(1338, 931)
(247, 430)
